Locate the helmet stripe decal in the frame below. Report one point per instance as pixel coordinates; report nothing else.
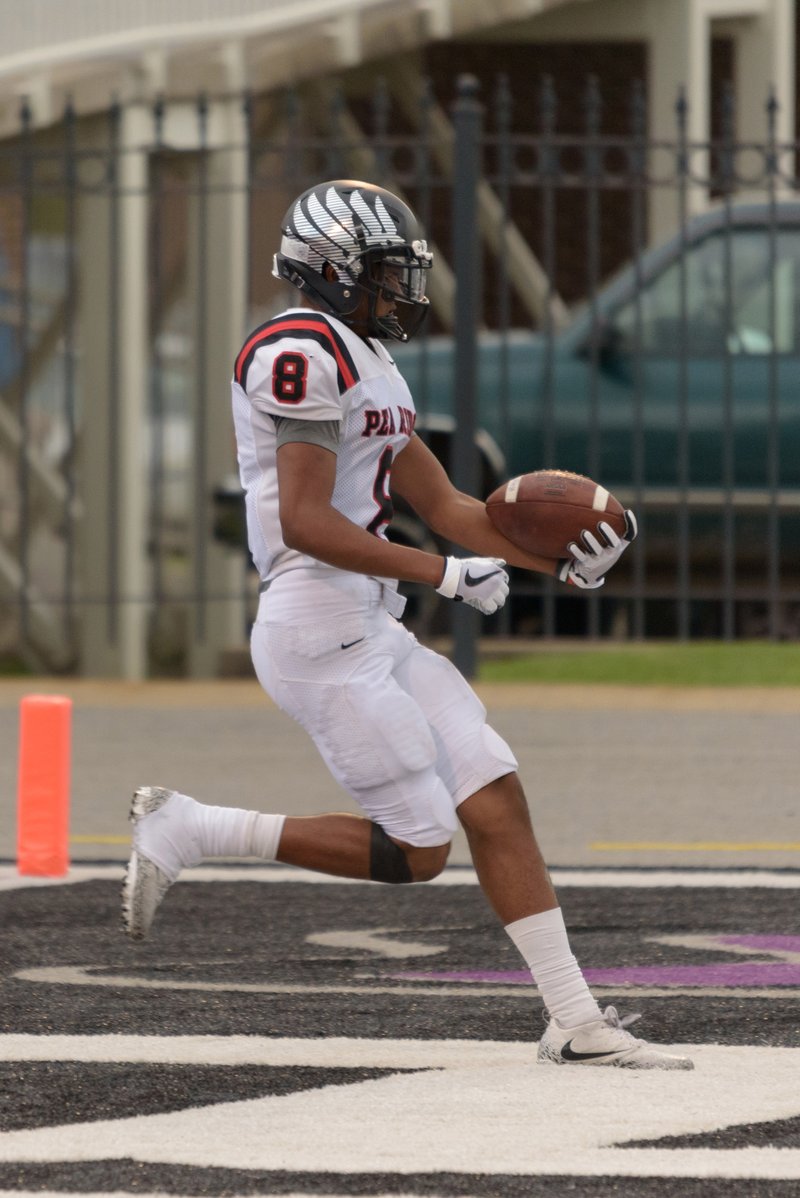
(366, 215)
(325, 226)
(388, 224)
(342, 212)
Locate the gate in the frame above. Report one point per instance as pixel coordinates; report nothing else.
(566, 330)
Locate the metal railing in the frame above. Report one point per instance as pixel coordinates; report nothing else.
(135, 254)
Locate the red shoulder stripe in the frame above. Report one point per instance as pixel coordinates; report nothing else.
(316, 326)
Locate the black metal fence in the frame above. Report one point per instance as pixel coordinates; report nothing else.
(613, 304)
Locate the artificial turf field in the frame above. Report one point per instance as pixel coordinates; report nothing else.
(281, 1035)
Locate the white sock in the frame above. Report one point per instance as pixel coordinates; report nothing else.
(542, 940)
(231, 832)
(183, 832)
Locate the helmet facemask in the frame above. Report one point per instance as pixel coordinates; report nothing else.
(396, 277)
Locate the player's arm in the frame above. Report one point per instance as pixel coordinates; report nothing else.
(422, 481)
(295, 383)
(310, 523)
(419, 477)
(299, 391)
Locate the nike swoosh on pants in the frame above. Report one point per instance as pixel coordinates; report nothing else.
(350, 644)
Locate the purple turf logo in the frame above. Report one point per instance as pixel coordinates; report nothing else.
(765, 961)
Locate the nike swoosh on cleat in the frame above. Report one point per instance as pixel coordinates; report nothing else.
(350, 644)
(569, 1054)
(473, 582)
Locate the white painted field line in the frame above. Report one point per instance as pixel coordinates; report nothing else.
(79, 975)
(737, 879)
(448, 1106)
(322, 1052)
(358, 1052)
(163, 1194)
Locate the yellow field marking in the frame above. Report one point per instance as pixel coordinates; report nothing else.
(80, 839)
(697, 846)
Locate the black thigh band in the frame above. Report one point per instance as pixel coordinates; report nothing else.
(387, 861)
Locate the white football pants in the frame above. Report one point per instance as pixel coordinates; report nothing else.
(397, 725)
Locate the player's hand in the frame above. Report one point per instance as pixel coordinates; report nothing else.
(479, 581)
(594, 557)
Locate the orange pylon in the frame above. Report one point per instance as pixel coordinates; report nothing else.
(44, 785)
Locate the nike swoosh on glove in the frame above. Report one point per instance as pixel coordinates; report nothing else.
(478, 581)
(593, 558)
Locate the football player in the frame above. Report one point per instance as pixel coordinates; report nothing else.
(325, 435)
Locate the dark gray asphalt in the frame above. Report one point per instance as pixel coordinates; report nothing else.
(686, 771)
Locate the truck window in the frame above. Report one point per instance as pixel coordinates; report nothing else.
(766, 301)
(729, 307)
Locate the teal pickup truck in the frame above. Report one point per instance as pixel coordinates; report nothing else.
(678, 388)
(683, 372)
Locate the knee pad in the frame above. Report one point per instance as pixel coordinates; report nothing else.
(387, 861)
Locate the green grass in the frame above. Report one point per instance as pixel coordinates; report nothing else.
(742, 663)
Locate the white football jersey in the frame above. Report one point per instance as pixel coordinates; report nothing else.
(311, 366)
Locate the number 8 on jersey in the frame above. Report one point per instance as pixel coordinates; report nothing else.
(289, 374)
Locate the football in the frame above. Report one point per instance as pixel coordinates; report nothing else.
(543, 511)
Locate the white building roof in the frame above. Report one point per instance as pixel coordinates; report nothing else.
(86, 48)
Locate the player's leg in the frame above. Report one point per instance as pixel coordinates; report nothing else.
(504, 850)
(480, 773)
(374, 740)
(514, 878)
(172, 832)
(352, 846)
(479, 770)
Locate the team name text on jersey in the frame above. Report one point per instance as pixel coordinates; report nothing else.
(380, 422)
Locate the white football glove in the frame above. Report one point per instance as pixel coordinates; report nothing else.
(479, 581)
(592, 560)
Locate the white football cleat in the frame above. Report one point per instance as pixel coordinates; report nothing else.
(605, 1042)
(164, 841)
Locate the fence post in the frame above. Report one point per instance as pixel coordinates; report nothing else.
(467, 122)
(114, 352)
(218, 255)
